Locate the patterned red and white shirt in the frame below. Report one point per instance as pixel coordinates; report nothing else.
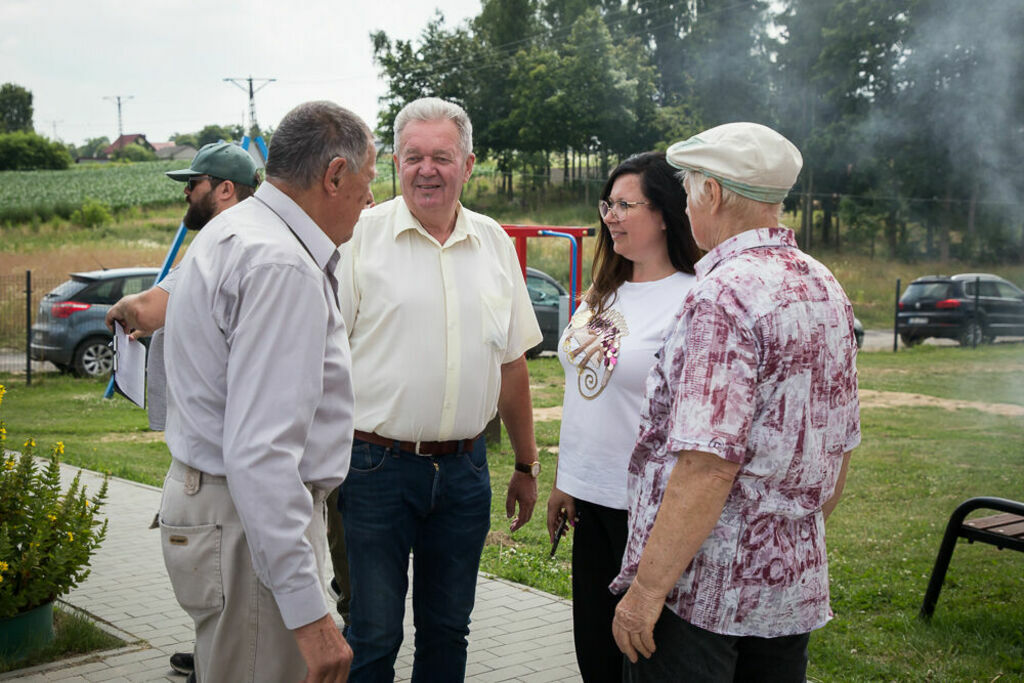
(759, 370)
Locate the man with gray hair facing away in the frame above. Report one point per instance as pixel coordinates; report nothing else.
(438, 318)
(259, 415)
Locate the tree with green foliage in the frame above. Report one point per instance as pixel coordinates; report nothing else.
(92, 147)
(21, 151)
(15, 109)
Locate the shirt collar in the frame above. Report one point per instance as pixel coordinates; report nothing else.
(315, 240)
(404, 220)
(748, 239)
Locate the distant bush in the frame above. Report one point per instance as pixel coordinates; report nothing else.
(23, 151)
(92, 214)
(134, 152)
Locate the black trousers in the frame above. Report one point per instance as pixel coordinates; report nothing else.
(688, 653)
(599, 541)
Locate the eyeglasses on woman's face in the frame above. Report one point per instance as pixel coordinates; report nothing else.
(617, 209)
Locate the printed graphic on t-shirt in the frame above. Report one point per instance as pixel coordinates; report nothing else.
(592, 346)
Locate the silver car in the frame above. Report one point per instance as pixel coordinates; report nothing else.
(69, 330)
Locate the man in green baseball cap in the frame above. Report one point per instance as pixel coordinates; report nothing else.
(231, 174)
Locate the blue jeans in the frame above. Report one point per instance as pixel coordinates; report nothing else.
(439, 507)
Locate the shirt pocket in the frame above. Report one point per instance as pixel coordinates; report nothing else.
(495, 315)
(192, 556)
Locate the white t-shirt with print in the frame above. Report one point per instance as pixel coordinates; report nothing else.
(606, 363)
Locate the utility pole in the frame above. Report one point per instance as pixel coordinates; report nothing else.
(252, 96)
(54, 123)
(118, 98)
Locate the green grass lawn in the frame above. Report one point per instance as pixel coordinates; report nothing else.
(914, 466)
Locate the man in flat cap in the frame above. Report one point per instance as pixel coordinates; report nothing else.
(750, 417)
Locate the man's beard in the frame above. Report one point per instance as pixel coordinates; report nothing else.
(199, 213)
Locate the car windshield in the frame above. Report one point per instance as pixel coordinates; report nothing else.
(918, 291)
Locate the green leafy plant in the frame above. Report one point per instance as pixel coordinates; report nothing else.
(46, 537)
(92, 214)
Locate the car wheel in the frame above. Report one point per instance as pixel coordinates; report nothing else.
(94, 358)
(971, 334)
(910, 340)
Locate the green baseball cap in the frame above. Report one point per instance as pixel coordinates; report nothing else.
(223, 160)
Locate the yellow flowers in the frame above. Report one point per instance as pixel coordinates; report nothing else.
(3, 433)
(3, 390)
(10, 464)
(29, 443)
(71, 537)
(59, 448)
(52, 517)
(3, 565)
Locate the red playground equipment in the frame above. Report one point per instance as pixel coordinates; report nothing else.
(575, 236)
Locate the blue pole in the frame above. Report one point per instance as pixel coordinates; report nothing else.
(572, 269)
(172, 253)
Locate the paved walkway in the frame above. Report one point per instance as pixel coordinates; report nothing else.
(517, 634)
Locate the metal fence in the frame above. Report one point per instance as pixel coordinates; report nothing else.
(19, 304)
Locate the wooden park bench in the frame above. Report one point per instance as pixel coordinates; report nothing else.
(1005, 530)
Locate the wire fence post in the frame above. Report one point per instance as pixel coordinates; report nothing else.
(28, 328)
(896, 318)
(977, 318)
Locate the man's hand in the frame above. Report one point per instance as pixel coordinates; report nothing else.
(522, 489)
(635, 617)
(140, 314)
(328, 657)
(557, 502)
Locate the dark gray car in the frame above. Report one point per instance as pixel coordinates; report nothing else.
(69, 330)
(970, 307)
(545, 292)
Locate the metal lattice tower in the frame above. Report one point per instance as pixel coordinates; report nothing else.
(118, 98)
(252, 94)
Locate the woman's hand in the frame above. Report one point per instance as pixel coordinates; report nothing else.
(557, 502)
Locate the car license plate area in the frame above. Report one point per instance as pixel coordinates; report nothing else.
(917, 321)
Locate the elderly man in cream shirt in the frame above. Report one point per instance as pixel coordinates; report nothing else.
(438, 318)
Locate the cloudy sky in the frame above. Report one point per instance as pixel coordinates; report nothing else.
(172, 57)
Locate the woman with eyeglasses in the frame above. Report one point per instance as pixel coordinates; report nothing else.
(642, 270)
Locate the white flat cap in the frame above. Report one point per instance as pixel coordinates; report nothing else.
(750, 159)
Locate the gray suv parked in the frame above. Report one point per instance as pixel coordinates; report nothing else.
(69, 330)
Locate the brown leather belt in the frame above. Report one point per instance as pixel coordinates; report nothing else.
(418, 447)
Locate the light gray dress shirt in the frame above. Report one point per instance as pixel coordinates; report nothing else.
(259, 384)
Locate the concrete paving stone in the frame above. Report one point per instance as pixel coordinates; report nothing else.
(558, 674)
(479, 644)
(109, 676)
(85, 669)
(506, 673)
(474, 669)
(548, 633)
(522, 657)
(557, 657)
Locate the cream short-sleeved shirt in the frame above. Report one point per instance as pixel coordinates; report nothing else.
(430, 325)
